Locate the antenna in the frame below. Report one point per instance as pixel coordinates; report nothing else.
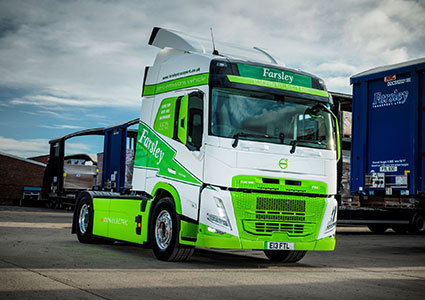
(215, 52)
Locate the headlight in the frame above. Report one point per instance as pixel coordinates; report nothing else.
(221, 218)
(332, 221)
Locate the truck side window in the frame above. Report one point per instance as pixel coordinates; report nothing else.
(195, 122)
(189, 120)
(181, 118)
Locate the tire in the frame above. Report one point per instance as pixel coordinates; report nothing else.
(285, 256)
(164, 232)
(400, 229)
(377, 228)
(418, 224)
(84, 220)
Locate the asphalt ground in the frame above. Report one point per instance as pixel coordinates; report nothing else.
(41, 259)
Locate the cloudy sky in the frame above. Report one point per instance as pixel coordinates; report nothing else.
(71, 65)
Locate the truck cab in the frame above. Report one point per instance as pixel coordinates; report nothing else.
(234, 152)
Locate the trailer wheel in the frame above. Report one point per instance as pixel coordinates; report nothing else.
(285, 256)
(164, 233)
(377, 228)
(418, 224)
(84, 220)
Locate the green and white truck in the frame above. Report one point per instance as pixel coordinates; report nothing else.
(233, 152)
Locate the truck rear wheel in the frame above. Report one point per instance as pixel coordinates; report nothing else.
(285, 256)
(377, 228)
(164, 233)
(84, 219)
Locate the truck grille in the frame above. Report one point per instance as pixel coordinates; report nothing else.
(297, 216)
(264, 203)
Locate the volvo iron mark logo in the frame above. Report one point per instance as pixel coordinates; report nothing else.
(283, 163)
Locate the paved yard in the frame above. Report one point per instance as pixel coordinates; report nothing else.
(41, 259)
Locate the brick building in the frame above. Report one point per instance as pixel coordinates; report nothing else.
(17, 173)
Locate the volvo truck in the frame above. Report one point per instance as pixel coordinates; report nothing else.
(234, 151)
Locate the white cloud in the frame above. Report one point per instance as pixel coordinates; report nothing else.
(61, 126)
(386, 32)
(338, 84)
(41, 100)
(35, 147)
(24, 148)
(338, 68)
(92, 53)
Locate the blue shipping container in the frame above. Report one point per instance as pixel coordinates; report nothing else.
(388, 136)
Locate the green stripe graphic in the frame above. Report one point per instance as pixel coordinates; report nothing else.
(177, 84)
(154, 153)
(277, 85)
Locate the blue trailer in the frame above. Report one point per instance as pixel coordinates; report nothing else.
(388, 147)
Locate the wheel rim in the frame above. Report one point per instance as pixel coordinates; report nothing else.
(163, 229)
(83, 220)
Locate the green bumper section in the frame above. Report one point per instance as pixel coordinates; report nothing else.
(227, 241)
(292, 216)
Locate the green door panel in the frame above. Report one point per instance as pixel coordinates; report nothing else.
(164, 120)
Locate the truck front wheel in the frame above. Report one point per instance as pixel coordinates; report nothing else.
(164, 233)
(285, 256)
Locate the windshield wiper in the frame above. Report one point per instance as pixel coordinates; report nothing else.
(239, 134)
(295, 142)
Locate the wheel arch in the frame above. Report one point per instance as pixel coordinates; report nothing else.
(162, 189)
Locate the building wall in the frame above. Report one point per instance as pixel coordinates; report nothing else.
(43, 158)
(15, 174)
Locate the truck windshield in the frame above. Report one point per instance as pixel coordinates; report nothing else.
(270, 118)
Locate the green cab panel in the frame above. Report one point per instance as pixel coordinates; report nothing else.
(101, 211)
(164, 120)
(120, 221)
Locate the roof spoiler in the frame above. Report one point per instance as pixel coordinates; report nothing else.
(163, 38)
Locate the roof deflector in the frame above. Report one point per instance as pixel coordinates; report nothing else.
(163, 38)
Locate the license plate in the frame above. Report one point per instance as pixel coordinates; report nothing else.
(280, 246)
(388, 169)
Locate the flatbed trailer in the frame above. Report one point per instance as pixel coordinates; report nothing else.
(66, 176)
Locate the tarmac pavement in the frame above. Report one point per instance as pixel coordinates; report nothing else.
(41, 259)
